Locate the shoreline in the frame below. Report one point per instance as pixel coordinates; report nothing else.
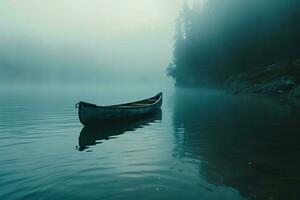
(280, 81)
(274, 80)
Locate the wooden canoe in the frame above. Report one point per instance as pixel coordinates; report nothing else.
(91, 114)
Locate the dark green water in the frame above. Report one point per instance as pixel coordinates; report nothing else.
(204, 145)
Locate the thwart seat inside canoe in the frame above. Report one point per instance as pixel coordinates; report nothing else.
(141, 103)
(136, 104)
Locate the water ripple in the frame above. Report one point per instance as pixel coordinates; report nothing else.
(191, 152)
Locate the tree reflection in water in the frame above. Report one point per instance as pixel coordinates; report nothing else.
(247, 143)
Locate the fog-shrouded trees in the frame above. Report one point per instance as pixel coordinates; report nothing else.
(216, 39)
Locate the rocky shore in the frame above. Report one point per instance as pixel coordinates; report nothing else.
(279, 80)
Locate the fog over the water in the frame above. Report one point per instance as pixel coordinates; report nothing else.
(79, 41)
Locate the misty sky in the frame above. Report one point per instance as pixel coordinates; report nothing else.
(123, 39)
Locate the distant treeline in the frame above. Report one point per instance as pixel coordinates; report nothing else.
(220, 38)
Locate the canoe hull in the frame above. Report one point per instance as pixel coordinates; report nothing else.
(93, 115)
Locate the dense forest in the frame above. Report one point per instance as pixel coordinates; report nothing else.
(216, 40)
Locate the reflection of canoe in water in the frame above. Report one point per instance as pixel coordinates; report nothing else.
(91, 135)
(92, 114)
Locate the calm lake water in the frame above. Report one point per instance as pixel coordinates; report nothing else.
(204, 145)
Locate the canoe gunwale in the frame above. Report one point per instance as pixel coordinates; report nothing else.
(115, 107)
